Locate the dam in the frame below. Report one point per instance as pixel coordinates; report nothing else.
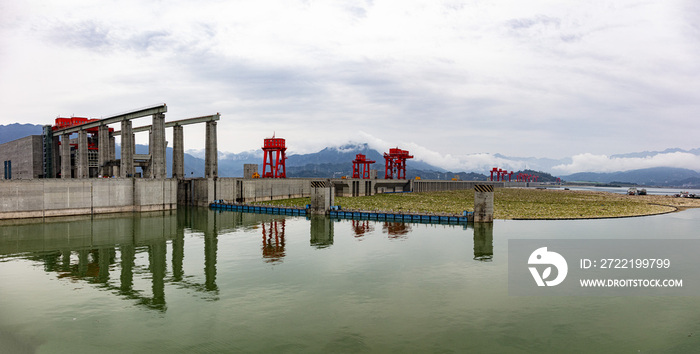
(72, 169)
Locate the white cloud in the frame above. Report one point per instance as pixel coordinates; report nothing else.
(478, 162)
(602, 163)
(537, 78)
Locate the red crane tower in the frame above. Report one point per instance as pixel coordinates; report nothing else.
(396, 163)
(361, 159)
(274, 156)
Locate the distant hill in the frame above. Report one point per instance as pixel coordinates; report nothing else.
(645, 154)
(16, 131)
(541, 176)
(657, 176)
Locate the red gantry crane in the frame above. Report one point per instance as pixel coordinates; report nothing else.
(274, 157)
(361, 159)
(395, 163)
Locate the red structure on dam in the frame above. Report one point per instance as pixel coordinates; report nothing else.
(395, 163)
(274, 158)
(361, 163)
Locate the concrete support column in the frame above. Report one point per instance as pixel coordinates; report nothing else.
(322, 197)
(178, 152)
(65, 156)
(103, 148)
(83, 169)
(483, 203)
(127, 160)
(133, 150)
(56, 157)
(211, 160)
(148, 170)
(114, 170)
(157, 148)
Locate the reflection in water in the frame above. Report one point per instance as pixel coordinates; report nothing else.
(86, 249)
(157, 261)
(483, 241)
(126, 277)
(361, 227)
(396, 229)
(178, 245)
(211, 240)
(273, 240)
(321, 231)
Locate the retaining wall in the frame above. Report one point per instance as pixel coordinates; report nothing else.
(202, 191)
(40, 198)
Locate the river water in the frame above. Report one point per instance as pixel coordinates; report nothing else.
(196, 280)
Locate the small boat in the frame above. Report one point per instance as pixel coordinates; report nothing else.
(642, 191)
(632, 191)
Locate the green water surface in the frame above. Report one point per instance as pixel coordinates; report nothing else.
(196, 280)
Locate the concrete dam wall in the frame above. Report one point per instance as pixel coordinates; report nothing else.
(203, 191)
(40, 198)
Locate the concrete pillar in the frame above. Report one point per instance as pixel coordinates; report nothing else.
(322, 197)
(211, 160)
(56, 156)
(127, 161)
(114, 170)
(133, 150)
(65, 156)
(178, 152)
(157, 147)
(103, 149)
(147, 169)
(82, 160)
(483, 203)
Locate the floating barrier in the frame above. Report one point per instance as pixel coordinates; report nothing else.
(401, 217)
(259, 209)
(337, 213)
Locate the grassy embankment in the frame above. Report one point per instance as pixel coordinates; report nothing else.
(516, 203)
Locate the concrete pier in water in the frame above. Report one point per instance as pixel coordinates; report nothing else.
(483, 203)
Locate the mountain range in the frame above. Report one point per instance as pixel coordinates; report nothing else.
(656, 176)
(337, 162)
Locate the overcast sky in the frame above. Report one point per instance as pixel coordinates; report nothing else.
(452, 81)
